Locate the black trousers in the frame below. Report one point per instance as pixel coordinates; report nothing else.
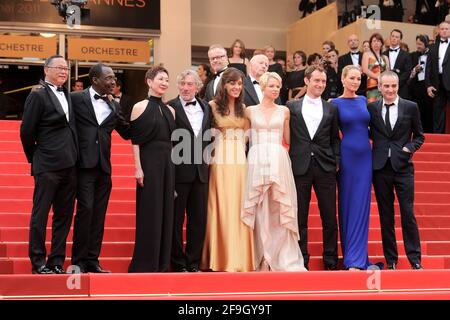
(384, 183)
(192, 198)
(419, 94)
(93, 191)
(439, 105)
(325, 188)
(54, 189)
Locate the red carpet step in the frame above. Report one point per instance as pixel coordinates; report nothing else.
(432, 207)
(399, 284)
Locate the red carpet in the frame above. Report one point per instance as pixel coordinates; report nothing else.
(432, 206)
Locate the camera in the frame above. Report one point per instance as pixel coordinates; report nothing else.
(325, 63)
(64, 8)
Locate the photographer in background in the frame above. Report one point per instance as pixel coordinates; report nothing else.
(330, 64)
(416, 82)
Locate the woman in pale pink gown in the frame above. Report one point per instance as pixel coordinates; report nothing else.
(270, 203)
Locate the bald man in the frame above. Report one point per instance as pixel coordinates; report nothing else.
(259, 64)
(353, 57)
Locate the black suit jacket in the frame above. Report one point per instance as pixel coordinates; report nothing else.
(94, 138)
(325, 145)
(188, 172)
(346, 60)
(250, 96)
(414, 56)
(407, 132)
(402, 68)
(48, 140)
(432, 69)
(209, 93)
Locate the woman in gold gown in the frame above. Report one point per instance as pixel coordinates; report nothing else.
(228, 242)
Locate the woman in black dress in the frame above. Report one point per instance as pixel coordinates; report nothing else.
(152, 123)
(237, 58)
(295, 79)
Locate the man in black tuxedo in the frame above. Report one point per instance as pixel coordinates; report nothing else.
(353, 57)
(259, 64)
(191, 172)
(416, 82)
(125, 102)
(97, 115)
(315, 154)
(218, 60)
(399, 61)
(49, 140)
(396, 133)
(437, 76)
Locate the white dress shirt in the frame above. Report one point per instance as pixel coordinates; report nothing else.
(101, 108)
(393, 56)
(257, 89)
(442, 50)
(355, 58)
(194, 114)
(393, 115)
(423, 63)
(61, 98)
(312, 112)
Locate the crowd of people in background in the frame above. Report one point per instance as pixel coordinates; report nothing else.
(373, 56)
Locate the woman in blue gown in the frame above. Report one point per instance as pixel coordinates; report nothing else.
(355, 172)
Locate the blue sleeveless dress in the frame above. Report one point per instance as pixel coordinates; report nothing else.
(354, 180)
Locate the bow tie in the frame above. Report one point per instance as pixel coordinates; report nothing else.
(444, 41)
(354, 53)
(104, 98)
(219, 73)
(255, 82)
(59, 89)
(393, 50)
(191, 103)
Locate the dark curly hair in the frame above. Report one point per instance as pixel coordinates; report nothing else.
(221, 97)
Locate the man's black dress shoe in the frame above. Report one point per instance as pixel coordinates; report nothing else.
(193, 269)
(392, 266)
(330, 267)
(42, 270)
(57, 269)
(97, 269)
(416, 266)
(182, 269)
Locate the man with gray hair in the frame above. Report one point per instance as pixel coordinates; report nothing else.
(253, 95)
(396, 132)
(191, 172)
(218, 60)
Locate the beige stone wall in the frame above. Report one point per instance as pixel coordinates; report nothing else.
(173, 47)
(309, 33)
(256, 22)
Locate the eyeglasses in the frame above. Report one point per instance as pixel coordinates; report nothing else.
(217, 57)
(60, 68)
